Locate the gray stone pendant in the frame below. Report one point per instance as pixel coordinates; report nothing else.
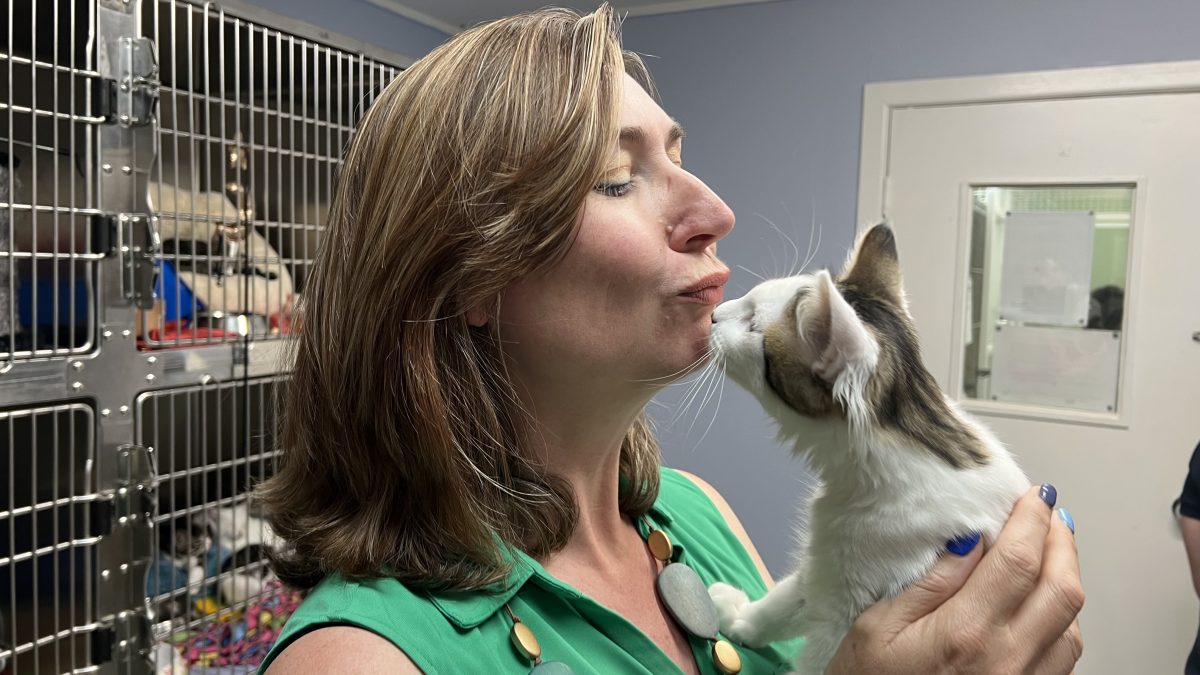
(552, 668)
(687, 599)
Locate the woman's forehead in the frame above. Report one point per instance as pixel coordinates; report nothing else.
(639, 110)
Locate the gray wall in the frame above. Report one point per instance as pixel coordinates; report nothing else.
(362, 21)
(771, 97)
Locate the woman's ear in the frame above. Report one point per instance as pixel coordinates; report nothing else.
(477, 317)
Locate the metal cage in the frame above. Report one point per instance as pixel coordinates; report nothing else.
(165, 171)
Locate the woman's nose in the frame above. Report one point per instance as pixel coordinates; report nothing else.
(700, 217)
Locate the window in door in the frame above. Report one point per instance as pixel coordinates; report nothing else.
(1046, 295)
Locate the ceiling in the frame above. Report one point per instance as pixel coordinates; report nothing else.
(450, 16)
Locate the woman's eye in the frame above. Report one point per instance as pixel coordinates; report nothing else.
(614, 189)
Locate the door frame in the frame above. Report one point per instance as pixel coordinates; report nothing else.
(880, 99)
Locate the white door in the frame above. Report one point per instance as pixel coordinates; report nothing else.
(1020, 202)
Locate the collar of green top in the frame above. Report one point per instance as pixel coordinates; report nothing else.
(469, 609)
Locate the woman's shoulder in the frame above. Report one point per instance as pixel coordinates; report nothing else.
(378, 617)
(678, 486)
(336, 649)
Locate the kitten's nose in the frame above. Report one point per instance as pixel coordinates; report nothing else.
(719, 309)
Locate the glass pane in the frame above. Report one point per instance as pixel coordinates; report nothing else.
(1046, 295)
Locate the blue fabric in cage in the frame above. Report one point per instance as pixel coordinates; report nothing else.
(45, 301)
(178, 300)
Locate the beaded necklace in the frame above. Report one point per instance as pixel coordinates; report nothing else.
(681, 591)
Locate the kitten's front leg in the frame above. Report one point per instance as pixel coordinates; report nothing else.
(195, 579)
(775, 616)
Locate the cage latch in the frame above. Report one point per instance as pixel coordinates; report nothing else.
(104, 229)
(137, 492)
(140, 247)
(137, 88)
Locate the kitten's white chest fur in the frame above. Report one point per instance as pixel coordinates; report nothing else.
(837, 366)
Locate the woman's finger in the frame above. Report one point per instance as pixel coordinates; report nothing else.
(1058, 597)
(1010, 570)
(1060, 658)
(925, 595)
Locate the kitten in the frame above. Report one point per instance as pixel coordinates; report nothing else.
(186, 541)
(836, 363)
(184, 544)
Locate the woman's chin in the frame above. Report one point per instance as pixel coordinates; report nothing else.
(698, 358)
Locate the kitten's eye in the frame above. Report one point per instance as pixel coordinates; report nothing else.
(614, 189)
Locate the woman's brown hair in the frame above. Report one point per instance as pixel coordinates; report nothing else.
(400, 431)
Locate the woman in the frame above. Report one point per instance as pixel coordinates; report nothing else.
(516, 262)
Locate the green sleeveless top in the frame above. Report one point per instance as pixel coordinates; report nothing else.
(455, 632)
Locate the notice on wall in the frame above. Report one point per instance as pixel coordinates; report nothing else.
(1058, 367)
(1047, 267)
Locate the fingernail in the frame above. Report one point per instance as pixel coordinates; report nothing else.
(963, 545)
(1049, 495)
(1065, 515)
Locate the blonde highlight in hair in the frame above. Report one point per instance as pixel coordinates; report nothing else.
(401, 432)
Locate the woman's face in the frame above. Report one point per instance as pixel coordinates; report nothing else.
(633, 297)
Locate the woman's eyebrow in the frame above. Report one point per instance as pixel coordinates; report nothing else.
(637, 135)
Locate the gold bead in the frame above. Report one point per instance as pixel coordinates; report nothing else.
(525, 642)
(726, 658)
(660, 545)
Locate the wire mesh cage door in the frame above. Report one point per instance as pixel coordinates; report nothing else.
(212, 443)
(49, 212)
(165, 168)
(252, 125)
(50, 524)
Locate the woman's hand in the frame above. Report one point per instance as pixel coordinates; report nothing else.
(1010, 610)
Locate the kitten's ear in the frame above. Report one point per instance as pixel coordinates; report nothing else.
(875, 266)
(840, 340)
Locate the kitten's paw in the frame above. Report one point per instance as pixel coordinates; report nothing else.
(736, 613)
(746, 632)
(195, 579)
(729, 601)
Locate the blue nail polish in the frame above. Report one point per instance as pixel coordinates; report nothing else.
(963, 545)
(1049, 495)
(1065, 515)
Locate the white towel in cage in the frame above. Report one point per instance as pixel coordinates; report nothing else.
(188, 216)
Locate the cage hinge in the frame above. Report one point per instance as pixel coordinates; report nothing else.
(100, 517)
(140, 247)
(104, 234)
(126, 638)
(132, 98)
(104, 99)
(136, 497)
(102, 645)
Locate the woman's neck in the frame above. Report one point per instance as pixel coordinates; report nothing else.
(579, 440)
